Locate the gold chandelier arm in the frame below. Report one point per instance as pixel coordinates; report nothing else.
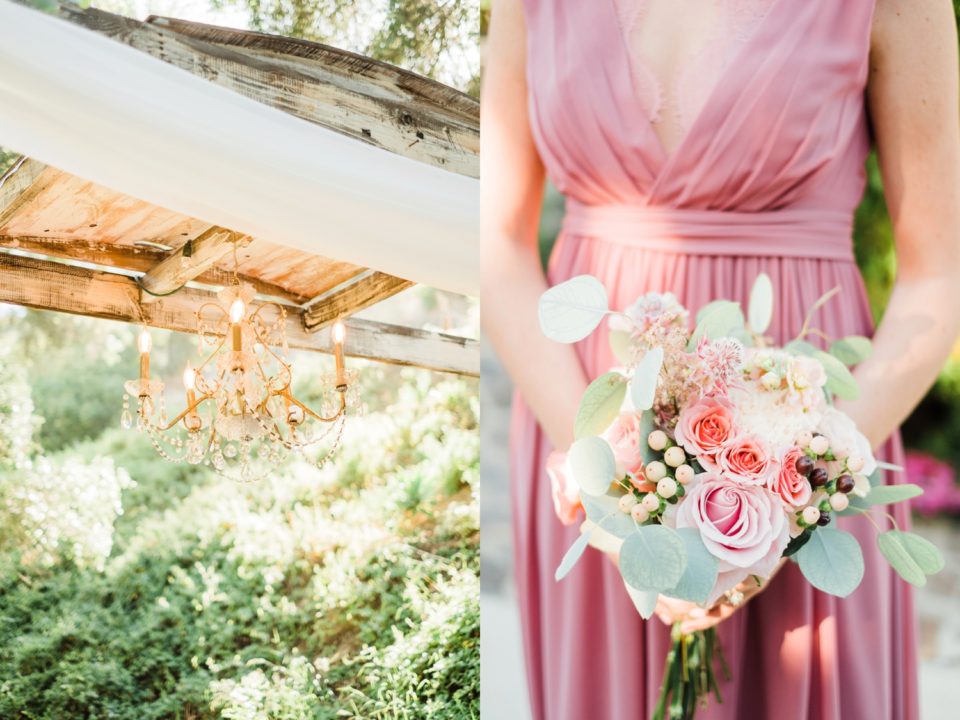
(181, 416)
(321, 418)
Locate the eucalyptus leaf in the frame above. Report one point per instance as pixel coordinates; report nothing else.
(760, 310)
(721, 318)
(600, 405)
(700, 574)
(572, 310)
(832, 561)
(644, 601)
(592, 464)
(890, 494)
(910, 555)
(621, 344)
(840, 381)
(647, 426)
(643, 385)
(653, 558)
(800, 347)
(852, 350)
(604, 511)
(571, 557)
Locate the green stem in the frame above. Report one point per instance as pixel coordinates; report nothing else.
(688, 675)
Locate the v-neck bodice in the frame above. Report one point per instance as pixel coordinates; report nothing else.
(782, 124)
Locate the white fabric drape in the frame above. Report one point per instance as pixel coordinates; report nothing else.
(103, 111)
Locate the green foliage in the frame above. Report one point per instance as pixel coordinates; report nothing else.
(350, 591)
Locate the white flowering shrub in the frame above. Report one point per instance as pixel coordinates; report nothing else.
(50, 507)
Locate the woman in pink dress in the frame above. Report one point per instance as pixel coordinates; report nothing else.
(698, 144)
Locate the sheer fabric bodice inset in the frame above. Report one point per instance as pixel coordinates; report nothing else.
(674, 71)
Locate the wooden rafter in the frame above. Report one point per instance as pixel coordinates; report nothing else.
(374, 102)
(363, 292)
(48, 285)
(135, 259)
(191, 260)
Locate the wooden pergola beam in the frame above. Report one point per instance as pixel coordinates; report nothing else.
(48, 285)
(365, 291)
(134, 259)
(371, 101)
(192, 259)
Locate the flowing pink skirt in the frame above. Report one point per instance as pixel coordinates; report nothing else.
(794, 652)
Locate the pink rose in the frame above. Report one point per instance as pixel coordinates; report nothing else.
(745, 460)
(743, 526)
(563, 488)
(704, 427)
(624, 438)
(792, 487)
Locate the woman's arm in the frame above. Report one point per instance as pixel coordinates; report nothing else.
(549, 376)
(913, 103)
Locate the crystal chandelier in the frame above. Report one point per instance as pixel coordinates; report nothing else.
(241, 416)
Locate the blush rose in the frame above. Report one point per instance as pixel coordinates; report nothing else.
(787, 483)
(704, 427)
(563, 488)
(743, 526)
(623, 436)
(746, 460)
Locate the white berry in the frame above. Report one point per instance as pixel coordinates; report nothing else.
(655, 470)
(667, 488)
(640, 513)
(839, 501)
(684, 474)
(657, 440)
(674, 457)
(651, 502)
(855, 463)
(819, 445)
(626, 502)
(811, 515)
(804, 439)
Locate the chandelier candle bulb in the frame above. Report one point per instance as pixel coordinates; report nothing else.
(190, 383)
(338, 333)
(144, 343)
(236, 315)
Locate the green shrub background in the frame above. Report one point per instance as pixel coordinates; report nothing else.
(350, 591)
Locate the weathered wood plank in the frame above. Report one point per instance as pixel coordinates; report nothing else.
(137, 259)
(20, 184)
(370, 101)
(362, 293)
(49, 285)
(191, 260)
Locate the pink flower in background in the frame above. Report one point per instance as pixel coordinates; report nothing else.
(563, 488)
(743, 526)
(721, 363)
(792, 487)
(938, 480)
(705, 427)
(624, 438)
(746, 460)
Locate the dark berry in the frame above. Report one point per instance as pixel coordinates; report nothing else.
(845, 483)
(819, 477)
(804, 465)
(824, 519)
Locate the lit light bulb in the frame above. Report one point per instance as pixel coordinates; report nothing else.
(144, 342)
(236, 311)
(339, 332)
(189, 378)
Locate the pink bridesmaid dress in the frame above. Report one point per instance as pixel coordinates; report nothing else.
(766, 171)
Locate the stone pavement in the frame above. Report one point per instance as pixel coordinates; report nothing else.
(503, 689)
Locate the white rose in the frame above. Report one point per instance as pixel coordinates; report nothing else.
(844, 438)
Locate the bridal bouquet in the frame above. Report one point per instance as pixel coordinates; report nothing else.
(709, 456)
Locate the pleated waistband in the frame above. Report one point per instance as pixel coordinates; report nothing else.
(791, 232)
